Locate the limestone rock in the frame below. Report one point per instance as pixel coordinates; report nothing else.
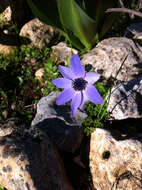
(58, 123)
(125, 100)
(6, 15)
(107, 57)
(61, 52)
(39, 74)
(7, 49)
(5, 11)
(14, 11)
(29, 161)
(115, 164)
(40, 34)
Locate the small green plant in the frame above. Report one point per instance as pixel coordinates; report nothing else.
(97, 114)
(51, 72)
(19, 88)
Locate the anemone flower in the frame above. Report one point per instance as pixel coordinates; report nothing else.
(78, 85)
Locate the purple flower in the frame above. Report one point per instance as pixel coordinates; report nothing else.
(77, 85)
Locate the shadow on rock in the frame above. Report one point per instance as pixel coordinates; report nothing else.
(124, 129)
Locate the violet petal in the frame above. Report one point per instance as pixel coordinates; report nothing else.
(93, 95)
(76, 67)
(92, 77)
(76, 101)
(65, 96)
(62, 83)
(84, 100)
(66, 72)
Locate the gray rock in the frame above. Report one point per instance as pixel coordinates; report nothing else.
(114, 163)
(58, 123)
(6, 15)
(126, 100)
(29, 161)
(61, 52)
(14, 11)
(39, 33)
(107, 57)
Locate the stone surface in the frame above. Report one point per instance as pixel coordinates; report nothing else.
(57, 122)
(39, 74)
(126, 100)
(114, 163)
(6, 15)
(6, 49)
(15, 11)
(107, 57)
(61, 52)
(29, 161)
(40, 34)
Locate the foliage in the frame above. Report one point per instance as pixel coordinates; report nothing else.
(1, 187)
(50, 74)
(19, 88)
(82, 23)
(97, 114)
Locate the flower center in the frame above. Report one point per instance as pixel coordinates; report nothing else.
(79, 84)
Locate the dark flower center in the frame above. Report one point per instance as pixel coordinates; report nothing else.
(79, 84)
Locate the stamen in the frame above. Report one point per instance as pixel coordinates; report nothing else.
(79, 84)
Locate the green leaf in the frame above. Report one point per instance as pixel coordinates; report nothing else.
(47, 12)
(73, 39)
(96, 10)
(74, 19)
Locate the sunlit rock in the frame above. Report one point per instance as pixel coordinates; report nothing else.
(126, 100)
(115, 163)
(108, 56)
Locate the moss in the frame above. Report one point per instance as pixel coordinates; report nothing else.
(19, 88)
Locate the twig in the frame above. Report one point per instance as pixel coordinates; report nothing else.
(121, 3)
(31, 105)
(124, 10)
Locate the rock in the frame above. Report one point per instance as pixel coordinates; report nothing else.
(59, 124)
(29, 161)
(107, 57)
(14, 11)
(115, 164)
(125, 100)
(61, 52)
(39, 74)
(7, 49)
(6, 15)
(40, 34)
